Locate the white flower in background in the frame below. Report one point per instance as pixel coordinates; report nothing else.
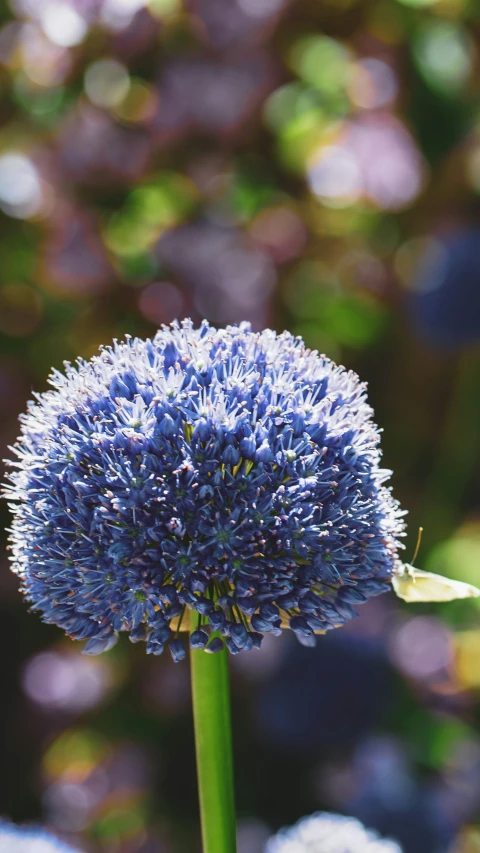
(15, 839)
(329, 833)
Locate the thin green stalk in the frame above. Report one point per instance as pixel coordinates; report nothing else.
(213, 743)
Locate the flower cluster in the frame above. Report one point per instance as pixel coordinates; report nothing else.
(14, 839)
(221, 479)
(329, 833)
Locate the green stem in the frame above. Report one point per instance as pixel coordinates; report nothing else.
(213, 743)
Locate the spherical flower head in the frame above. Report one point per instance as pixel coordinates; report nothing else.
(15, 839)
(329, 833)
(221, 474)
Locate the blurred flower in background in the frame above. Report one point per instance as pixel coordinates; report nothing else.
(331, 832)
(296, 715)
(15, 839)
(446, 300)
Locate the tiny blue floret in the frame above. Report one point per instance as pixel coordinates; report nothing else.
(223, 472)
(17, 839)
(329, 833)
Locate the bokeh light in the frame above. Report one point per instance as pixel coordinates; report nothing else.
(60, 681)
(444, 54)
(20, 186)
(63, 24)
(373, 83)
(106, 82)
(422, 647)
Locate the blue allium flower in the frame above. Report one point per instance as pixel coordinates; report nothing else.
(16, 839)
(329, 833)
(225, 472)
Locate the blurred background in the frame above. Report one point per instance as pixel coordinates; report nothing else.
(304, 164)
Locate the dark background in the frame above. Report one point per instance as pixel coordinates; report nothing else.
(311, 165)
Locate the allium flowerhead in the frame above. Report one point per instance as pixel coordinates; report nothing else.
(329, 833)
(15, 839)
(224, 472)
